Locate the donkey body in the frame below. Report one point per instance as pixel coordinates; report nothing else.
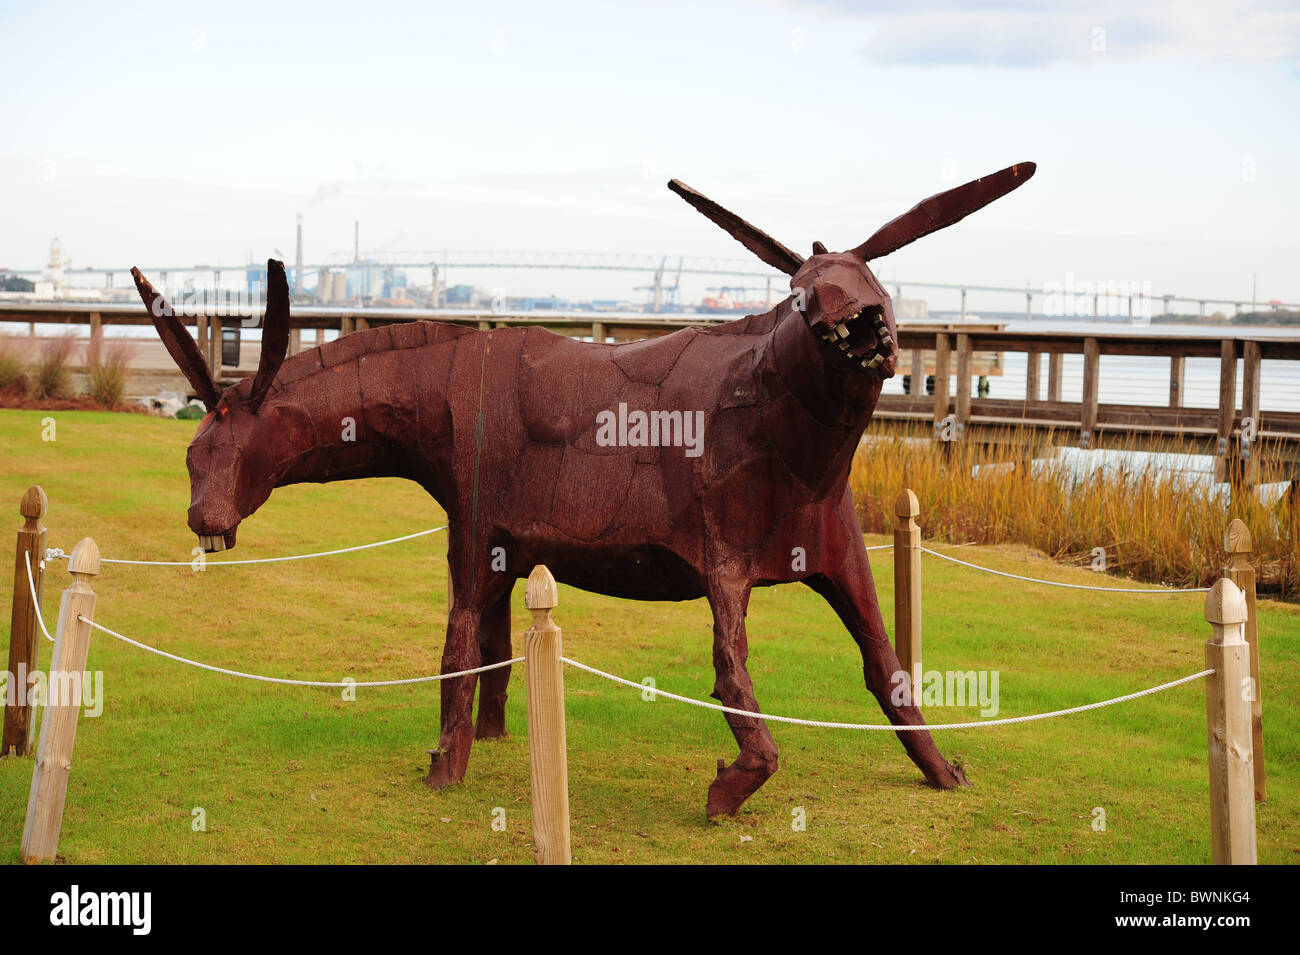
(510, 430)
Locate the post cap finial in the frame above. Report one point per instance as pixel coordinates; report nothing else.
(85, 557)
(1225, 603)
(540, 593)
(34, 503)
(1236, 540)
(906, 505)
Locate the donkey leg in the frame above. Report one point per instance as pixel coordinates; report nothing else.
(494, 647)
(733, 687)
(447, 763)
(851, 592)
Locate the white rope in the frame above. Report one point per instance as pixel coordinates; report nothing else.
(36, 601)
(273, 679)
(1057, 583)
(55, 553)
(881, 726)
(881, 547)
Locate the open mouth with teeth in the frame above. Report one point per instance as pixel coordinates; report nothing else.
(212, 543)
(862, 340)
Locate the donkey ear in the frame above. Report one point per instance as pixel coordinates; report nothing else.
(275, 334)
(940, 211)
(179, 342)
(754, 239)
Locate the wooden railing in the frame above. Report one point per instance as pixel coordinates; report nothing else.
(935, 349)
(1227, 431)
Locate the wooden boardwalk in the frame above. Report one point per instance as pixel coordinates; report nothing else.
(1251, 443)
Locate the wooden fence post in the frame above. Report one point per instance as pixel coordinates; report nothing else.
(1091, 384)
(1177, 380)
(547, 749)
(1247, 458)
(1227, 408)
(1033, 375)
(65, 689)
(907, 589)
(964, 376)
(214, 345)
(1055, 372)
(1237, 542)
(918, 373)
(942, 354)
(24, 633)
(1227, 710)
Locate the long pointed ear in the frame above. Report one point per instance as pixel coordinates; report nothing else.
(275, 333)
(179, 342)
(752, 238)
(940, 211)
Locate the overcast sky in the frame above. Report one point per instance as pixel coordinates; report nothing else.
(1166, 134)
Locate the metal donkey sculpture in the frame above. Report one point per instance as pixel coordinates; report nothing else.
(701, 463)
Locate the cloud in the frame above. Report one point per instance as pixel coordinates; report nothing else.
(1016, 34)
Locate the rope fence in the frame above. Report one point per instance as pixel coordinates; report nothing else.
(1057, 583)
(820, 724)
(1234, 720)
(641, 687)
(56, 553)
(405, 681)
(36, 601)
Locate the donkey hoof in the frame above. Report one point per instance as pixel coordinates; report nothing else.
(735, 784)
(440, 774)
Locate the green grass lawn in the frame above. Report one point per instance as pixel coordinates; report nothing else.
(300, 775)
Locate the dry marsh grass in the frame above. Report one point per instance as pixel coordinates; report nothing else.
(11, 360)
(107, 365)
(50, 375)
(1154, 525)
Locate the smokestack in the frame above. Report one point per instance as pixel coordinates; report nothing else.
(297, 278)
(356, 242)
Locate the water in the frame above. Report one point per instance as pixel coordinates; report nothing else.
(1136, 379)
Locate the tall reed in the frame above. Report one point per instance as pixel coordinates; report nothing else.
(11, 360)
(107, 366)
(50, 376)
(1154, 524)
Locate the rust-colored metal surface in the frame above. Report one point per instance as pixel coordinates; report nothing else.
(699, 464)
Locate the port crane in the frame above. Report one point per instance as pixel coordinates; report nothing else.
(659, 289)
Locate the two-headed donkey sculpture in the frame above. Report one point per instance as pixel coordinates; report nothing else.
(511, 432)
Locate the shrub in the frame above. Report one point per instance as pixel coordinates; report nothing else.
(107, 365)
(11, 361)
(50, 376)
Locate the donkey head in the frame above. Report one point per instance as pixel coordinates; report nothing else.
(229, 477)
(843, 303)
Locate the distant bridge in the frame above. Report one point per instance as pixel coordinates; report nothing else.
(438, 264)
